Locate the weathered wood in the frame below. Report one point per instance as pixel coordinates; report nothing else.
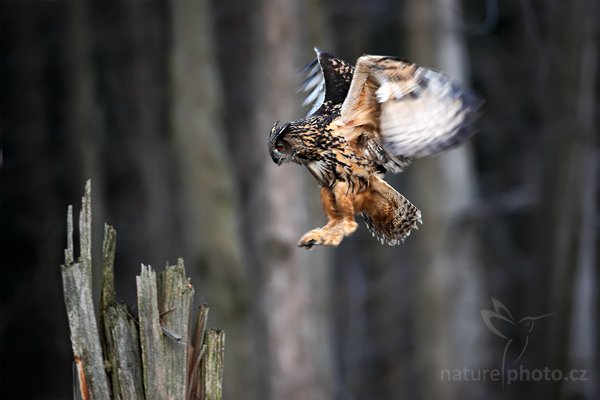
(155, 379)
(107, 301)
(77, 288)
(76, 383)
(153, 356)
(109, 246)
(196, 351)
(127, 356)
(212, 364)
(121, 337)
(175, 295)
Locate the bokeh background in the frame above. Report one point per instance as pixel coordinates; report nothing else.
(166, 106)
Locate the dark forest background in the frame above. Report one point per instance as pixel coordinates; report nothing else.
(166, 106)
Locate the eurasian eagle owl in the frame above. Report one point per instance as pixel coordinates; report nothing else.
(367, 120)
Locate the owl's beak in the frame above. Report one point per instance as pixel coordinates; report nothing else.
(276, 131)
(277, 157)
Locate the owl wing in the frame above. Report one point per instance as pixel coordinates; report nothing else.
(328, 81)
(413, 111)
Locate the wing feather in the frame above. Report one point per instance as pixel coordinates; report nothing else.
(328, 80)
(414, 111)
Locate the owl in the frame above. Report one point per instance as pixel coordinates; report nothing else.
(367, 120)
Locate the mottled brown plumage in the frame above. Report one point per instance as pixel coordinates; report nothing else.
(367, 120)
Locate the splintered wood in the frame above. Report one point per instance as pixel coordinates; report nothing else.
(151, 355)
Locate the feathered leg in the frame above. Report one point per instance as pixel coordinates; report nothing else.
(345, 206)
(340, 214)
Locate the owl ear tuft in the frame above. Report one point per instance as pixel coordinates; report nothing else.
(277, 131)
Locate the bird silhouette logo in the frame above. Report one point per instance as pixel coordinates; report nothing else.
(516, 333)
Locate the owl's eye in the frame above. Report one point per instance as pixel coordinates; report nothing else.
(279, 147)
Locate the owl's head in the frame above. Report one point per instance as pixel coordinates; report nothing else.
(279, 147)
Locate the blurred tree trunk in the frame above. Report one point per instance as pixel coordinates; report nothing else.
(84, 124)
(449, 328)
(31, 309)
(232, 21)
(372, 286)
(208, 205)
(292, 284)
(570, 174)
(146, 29)
(130, 53)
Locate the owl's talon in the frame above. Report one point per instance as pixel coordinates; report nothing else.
(307, 244)
(327, 236)
(310, 238)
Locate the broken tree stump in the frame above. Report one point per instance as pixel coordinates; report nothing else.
(151, 355)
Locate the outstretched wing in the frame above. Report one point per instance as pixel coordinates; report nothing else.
(415, 111)
(328, 80)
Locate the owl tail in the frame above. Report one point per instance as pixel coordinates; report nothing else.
(389, 216)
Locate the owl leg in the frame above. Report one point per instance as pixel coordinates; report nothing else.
(330, 208)
(345, 206)
(340, 214)
(323, 235)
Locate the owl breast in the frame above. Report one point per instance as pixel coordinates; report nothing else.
(321, 171)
